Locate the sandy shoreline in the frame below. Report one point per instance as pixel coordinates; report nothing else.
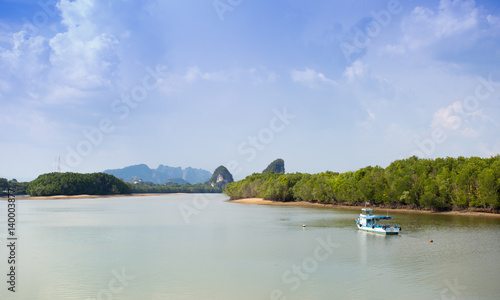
(61, 197)
(260, 201)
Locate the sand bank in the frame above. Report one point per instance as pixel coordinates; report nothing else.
(61, 197)
(260, 201)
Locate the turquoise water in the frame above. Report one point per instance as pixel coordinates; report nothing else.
(202, 247)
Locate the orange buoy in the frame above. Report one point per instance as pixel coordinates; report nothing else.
(431, 241)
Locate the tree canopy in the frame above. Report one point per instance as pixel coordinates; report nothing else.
(18, 188)
(173, 188)
(77, 184)
(439, 184)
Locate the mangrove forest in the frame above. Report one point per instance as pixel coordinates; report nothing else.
(437, 184)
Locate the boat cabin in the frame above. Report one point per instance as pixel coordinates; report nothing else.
(367, 211)
(366, 218)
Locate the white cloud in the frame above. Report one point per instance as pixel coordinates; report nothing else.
(255, 75)
(192, 74)
(455, 117)
(79, 59)
(62, 94)
(454, 17)
(425, 26)
(356, 70)
(175, 83)
(311, 78)
(448, 117)
(221, 76)
(25, 60)
(75, 13)
(493, 20)
(82, 57)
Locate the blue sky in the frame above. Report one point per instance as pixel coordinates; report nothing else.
(325, 85)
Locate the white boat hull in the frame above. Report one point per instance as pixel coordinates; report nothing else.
(381, 230)
(368, 222)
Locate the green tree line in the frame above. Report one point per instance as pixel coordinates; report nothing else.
(77, 184)
(438, 184)
(173, 188)
(19, 188)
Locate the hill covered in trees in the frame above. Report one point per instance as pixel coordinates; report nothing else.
(438, 184)
(221, 177)
(77, 184)
(277, 166)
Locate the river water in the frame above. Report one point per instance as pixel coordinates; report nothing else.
(202, 247)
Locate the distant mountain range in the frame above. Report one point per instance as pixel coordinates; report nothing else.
(160, 175)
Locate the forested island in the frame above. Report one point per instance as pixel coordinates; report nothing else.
(436, 184)
(104, 184)
(77, 184)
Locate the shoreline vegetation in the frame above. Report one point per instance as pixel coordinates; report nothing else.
(261, 201)
(441, 184)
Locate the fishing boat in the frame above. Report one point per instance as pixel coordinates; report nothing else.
(368, 222)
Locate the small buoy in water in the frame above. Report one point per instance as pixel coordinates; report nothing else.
(431, 241)
(304, 225)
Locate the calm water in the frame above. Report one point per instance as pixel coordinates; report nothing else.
(201, 247)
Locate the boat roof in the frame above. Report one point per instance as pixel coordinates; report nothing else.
(376, 217)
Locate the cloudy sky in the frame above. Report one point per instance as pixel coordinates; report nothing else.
(325, 85)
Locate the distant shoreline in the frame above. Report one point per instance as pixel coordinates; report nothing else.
(260, 201)
(67, 197)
